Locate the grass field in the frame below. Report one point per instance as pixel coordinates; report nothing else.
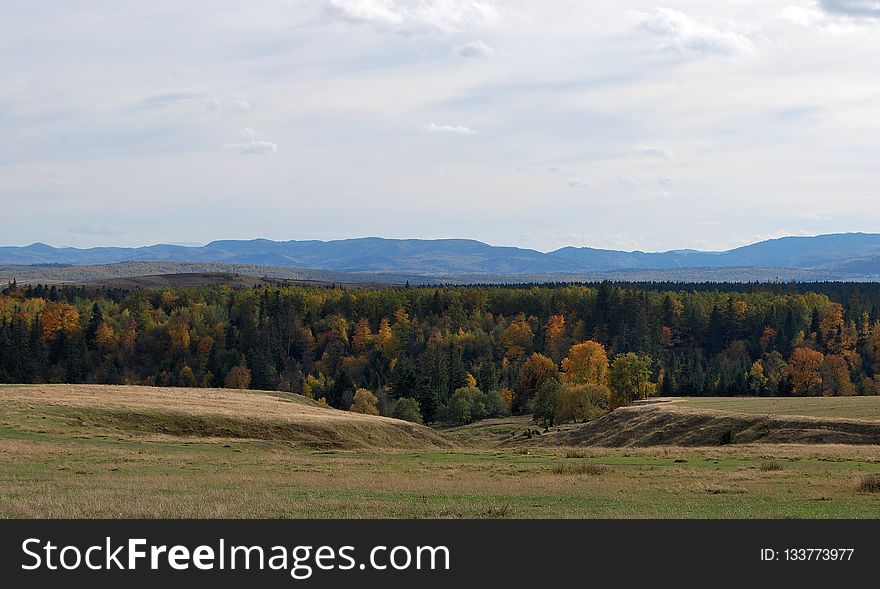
(62, 456)
(867, 408)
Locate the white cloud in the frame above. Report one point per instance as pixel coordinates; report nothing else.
(454, 129)
(852, 8)
(252, 144)
(580, 183)
(474, 49)
(229, 103)
(635, 182)
(656, 152)
(573, 91)
(684, 33)
(417, 15)
(834, 18)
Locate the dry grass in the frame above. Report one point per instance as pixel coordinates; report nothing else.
(581, 468)
(215, 413)
(870, 484)
(677, 424)
(771, 466)
(100, 477)
(861, 408)
(225, 402)
(55, 462)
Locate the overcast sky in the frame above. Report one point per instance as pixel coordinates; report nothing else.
(627, 124)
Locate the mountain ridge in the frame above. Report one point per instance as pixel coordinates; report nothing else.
(849, 253)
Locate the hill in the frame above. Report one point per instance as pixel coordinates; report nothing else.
(165, 274)
(137, 452)
(206, 413)
(839, 256)
(715, 422)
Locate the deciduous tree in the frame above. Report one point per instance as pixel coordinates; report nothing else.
(587, 363)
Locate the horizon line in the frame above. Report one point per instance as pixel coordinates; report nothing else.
(195, 245)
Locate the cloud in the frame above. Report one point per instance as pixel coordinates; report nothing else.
(852, 8)
(687, 34)
(635, 182)
(252, 144)
(166, 100)
(474, 49)
(656, 152)
(411, 16)
(228, 103)
(455, 129)
(580, 183)
(641, 185)
(833, 21)
(15, 85)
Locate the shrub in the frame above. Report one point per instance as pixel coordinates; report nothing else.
(364, 402)
(238, 377)
(870, 484)
(186, 377)
(458, 410)
(407, 410)
(727, 437)
(583, 402)
(469, 404)
(582, 468)
(547, 403)
(497, 405)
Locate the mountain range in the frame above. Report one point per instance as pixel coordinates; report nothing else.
(846, 255)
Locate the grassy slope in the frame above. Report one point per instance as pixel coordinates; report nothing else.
(59, 460)
(867, 408)
(708, 422)
(221, 413)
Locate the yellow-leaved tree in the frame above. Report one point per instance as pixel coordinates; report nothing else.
(587, 363)
(365, 402)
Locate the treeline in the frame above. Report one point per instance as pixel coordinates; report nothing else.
(461, 353)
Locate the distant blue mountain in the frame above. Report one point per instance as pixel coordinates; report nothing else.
(849, 253)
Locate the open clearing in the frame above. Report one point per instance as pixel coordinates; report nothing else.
(138, 452)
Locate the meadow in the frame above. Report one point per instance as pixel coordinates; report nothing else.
(62, 456)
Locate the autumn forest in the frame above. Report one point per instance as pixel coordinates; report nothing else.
(455, 354)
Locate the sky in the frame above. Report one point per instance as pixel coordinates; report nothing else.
(623, 124)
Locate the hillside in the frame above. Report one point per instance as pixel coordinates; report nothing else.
(164, 274)
(204, 413)
(138, 452)
(826, 256)
(680, 423)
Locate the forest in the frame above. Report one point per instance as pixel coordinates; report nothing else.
(561, 352)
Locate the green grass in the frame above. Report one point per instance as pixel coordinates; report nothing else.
(113, 474)
(75, 462)
(867, 408)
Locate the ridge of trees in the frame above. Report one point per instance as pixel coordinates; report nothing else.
(560, 352)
